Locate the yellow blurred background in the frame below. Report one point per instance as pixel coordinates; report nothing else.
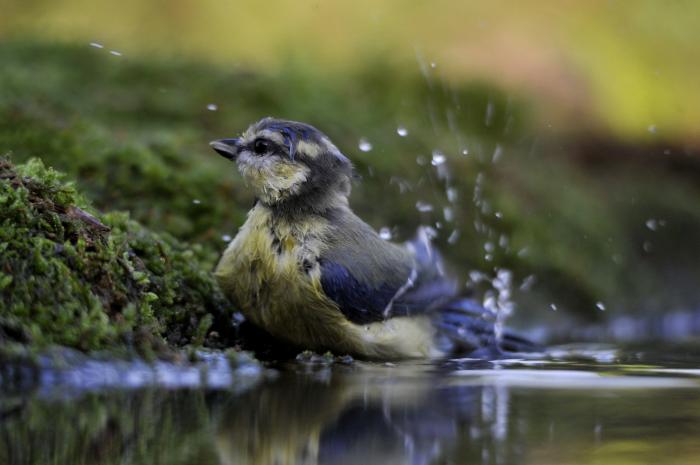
(628, 68)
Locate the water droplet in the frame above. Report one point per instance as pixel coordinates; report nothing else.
(448, 213)
(96, 45)
(647, 246)
(476, 276)
(364, 145)
(212, 107)
(438, 158)
(553, 307)
(404, 186)
(498, 215)
(503, 279)
(385, 233)
(523, 252)
(488, 246)
(490, 304)
(488, 257)
(454, 236)
(652, 128)
(465, 152)
(226, 238)
(433, 64)
(488, 118)
(430, 233)
(528, 282)
(652, 224)
(600, 306)
(402, 131)
(420, 160)
(451, 194)
(423, 207)
(196, 201)
(115, 53)
(498, 151)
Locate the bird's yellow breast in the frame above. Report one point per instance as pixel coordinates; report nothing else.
(271, 271)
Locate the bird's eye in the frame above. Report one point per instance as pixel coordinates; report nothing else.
(261, 146)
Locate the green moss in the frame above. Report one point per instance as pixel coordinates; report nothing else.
(74, 277)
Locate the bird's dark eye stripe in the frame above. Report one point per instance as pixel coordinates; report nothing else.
(262, 146)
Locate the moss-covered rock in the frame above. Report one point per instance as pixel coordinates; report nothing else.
(72, 276)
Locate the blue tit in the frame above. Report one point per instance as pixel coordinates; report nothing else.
(307, 270)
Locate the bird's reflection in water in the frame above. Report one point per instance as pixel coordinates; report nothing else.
(376, 417)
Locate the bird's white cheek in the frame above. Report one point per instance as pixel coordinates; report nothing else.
(271, 178)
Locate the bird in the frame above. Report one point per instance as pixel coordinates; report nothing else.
(306, 270)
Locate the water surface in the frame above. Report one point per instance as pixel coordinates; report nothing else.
(579, 406)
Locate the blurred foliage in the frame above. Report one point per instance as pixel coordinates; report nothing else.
(572, 212)
(615, 66)
(95, 282)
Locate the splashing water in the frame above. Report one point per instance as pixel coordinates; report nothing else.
(364, 145)
(438, 158)
(488, 117)
(423, 207)
(385, 233)
(402, 131)
(485, 217)
(451, 193)
(654, 224)
(448, 213)
(453, 238)
(504, 306)
(528, 282)
(497, 153)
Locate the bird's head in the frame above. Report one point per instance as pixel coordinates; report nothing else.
(289, 164)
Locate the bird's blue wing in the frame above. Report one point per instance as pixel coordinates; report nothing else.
(359, 302)
(363, 303)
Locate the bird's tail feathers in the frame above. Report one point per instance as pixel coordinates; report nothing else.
(465, 327)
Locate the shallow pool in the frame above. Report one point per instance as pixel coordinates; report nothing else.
(574, 405)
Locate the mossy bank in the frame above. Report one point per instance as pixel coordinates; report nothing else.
(75, 277)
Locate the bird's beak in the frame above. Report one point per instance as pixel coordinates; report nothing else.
(227, 148)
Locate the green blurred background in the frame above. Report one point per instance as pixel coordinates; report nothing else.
(556, 139)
